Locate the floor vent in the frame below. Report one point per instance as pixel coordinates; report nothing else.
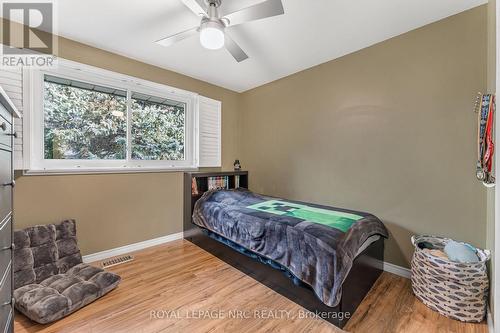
(116, 261)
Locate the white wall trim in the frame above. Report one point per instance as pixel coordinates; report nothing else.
(489, 320)
(131, 247)
(397, 270)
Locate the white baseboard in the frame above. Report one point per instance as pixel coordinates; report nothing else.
(131, 247)
(489, 320)
(398, 270)
(388, 267)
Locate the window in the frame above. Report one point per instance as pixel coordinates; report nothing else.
(83, 121)
(158, 128)
(95, 120)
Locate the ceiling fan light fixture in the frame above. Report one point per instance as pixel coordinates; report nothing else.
(212, 35)
(213, 24)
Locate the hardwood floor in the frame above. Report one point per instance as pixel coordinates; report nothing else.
(178, 287)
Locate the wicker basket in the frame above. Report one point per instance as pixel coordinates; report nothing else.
(455, 290)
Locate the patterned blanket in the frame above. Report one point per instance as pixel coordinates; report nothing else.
(317, 244)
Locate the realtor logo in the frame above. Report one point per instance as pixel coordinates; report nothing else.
(28, 34)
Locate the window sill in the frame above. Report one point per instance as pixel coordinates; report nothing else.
(89, 171)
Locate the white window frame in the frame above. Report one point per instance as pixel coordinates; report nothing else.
(33, 145)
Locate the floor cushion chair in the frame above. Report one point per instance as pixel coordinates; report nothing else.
(50, 280)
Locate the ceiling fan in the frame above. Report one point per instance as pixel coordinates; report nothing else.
(212, 29)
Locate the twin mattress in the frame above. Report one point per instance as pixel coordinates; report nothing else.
(317, 244)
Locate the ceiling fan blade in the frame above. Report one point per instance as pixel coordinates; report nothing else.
(238, 54)
(262, 10)
(177, 37)
(197, 6)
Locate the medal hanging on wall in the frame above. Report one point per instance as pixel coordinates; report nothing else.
(485, 107)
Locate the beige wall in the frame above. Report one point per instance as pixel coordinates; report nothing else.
(111, 210)
(120, 209)
(388, 130)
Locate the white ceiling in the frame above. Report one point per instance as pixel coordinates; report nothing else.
(309, 33)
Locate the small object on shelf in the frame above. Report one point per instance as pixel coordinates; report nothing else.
(237, 165)
(237, 181)
(194, 186)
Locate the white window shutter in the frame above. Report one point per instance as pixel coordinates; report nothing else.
(209, 126)
(11, 80)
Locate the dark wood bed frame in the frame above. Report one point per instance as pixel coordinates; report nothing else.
(366, 268)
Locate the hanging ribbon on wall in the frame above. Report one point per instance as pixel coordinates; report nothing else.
(485, 108)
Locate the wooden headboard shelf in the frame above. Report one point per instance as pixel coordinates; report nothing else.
(202, 179)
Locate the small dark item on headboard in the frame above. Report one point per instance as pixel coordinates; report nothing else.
(237, 165)
(197, 183)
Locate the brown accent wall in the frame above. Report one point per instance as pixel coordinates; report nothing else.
(388, 130)
(118, 209)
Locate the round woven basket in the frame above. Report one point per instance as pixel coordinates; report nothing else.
(455, 290)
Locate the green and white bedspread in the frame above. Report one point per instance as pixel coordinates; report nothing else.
(315, 243)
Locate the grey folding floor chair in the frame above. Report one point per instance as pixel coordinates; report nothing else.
(50, 280)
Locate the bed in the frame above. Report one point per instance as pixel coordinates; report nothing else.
(323, 258)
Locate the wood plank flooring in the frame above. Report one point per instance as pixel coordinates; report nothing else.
(178, 287)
